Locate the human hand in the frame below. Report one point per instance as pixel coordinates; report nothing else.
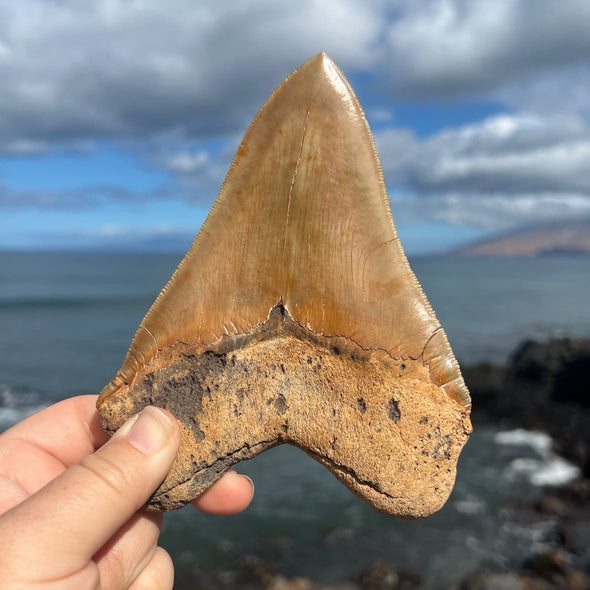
(71, 515)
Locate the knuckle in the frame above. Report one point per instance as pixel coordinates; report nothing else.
(113, 567)
(107, 473)
(158, 574)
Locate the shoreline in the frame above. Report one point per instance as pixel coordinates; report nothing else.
(542, 388)
(545, 386)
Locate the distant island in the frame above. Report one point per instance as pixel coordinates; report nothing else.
(565, 238)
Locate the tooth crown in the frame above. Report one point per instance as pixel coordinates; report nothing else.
(299, 258)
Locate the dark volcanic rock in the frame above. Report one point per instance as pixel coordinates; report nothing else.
(490, 581)
(558, 370)
(257, 574)
(552, 570)
(543, 572)
(486, 383)
(551, 383)
(552, 567)
(378, 576)
(546, 386)
(552, 506)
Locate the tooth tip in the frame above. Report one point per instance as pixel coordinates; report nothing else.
(321, 60)
(313, 71)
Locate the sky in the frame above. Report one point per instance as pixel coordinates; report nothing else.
(120, 118)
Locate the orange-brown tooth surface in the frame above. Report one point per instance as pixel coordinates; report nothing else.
(295, 318)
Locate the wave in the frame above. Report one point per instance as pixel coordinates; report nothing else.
(554, 471)
(16, 405)
(546, 468)
(541, 442)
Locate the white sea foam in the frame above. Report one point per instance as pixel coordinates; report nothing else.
(538, 441)
(555, 472)
(469, 506)
(546, 469)
(16, 406)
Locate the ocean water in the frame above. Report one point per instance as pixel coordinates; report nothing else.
(66, 321)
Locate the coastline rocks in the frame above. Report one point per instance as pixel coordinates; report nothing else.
(490, 581)
(550, 505)
(378, 576)
(547, 571)
(556, 371)
(553, 372)
(258, 574)
(551, 567)
(546, 386)
(561, 502)
(254, 573)
(552, 570)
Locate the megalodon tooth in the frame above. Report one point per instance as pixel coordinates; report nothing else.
(295, 318)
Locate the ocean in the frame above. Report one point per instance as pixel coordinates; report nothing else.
(66, 321)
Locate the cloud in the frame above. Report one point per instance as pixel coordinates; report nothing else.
(508, 153)
(25, 147)
(502, 211)
(500, 172)
(199, 166)
(11, 200)
(169, 80)
(184, 163)
(84, 199)
(120, 69)
(73, 71)
(122, 238)
(453, 48)
(566, 91)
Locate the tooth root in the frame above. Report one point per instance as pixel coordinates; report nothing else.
(295, 302)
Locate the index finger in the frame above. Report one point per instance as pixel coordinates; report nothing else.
(69, 430)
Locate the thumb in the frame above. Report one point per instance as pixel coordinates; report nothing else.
(60, 528)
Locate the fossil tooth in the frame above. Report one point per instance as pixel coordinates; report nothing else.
(295, 318)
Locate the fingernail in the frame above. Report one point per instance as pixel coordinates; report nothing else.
(148, 431)
(250, 480)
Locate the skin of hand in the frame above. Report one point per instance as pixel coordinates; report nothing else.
(71, 500)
